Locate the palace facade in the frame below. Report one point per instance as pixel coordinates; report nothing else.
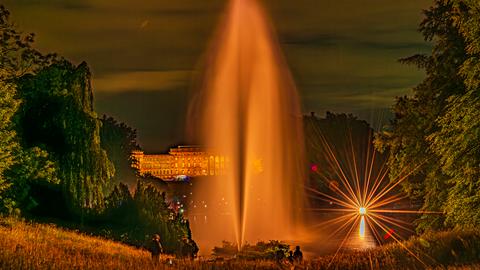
(179, 163)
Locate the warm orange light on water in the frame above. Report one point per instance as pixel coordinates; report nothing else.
(365, 196)
(361, 228)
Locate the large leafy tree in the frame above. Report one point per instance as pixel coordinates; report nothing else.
(434, 131)
(409, 149)
(456, 140)
(58, 116)
(19, 165)
(119, 140)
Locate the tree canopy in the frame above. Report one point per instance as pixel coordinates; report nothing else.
(435, 131)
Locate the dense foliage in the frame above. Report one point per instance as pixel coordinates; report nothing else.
(260, 251)
(134, 219)
(119, 140)
(436, 131)
(57, 114)
(58, 160)
(19, 166)
(8, 145)
(344, 139)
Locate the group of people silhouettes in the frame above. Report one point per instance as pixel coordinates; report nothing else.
(189, 249)
(293, 257)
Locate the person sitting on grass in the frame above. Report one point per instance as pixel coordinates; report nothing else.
(156, 248)
(290, 257)
(297, 255)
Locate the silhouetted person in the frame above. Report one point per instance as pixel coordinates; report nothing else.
(195, 248)
(297, 255)
(189, 248)
(156, 248)
(290, 256)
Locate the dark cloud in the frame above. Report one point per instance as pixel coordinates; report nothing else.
(321, 40)
(343, 53)
(64, 4)
(158, 116)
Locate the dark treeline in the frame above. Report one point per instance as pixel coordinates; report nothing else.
(59, 161)
(341, 138)
(437, 130)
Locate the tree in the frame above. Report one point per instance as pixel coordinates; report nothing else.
(415, 117)
(348, 139)
(32, 166)
(17, 56)
(120, 207)
(134, 219)
(456, 140)
(119, 140)
(20, 165)
(57, 115)
(8, 144)
(156, 216)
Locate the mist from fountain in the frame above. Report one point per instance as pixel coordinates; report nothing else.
(246, 108)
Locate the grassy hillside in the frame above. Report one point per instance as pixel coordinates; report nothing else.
(449, 248)
(37, 246)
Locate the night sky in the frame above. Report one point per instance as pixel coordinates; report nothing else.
(144, 53)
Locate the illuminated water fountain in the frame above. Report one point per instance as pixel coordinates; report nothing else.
(247, 109)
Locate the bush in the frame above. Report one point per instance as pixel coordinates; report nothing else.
(259, 251)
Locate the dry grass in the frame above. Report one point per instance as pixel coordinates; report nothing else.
(457, 249)
(35, 246)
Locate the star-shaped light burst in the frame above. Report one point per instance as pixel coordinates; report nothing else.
(363, 193)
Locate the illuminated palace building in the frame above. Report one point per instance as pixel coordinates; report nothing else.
(180, 163)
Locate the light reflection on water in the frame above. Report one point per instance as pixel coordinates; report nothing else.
(361, 228)
(362, 238)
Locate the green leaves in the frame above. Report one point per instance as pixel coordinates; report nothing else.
(456, 140)
(17, 56)
(440, 123)
(58, 116)
(8, 143)
(119, 140)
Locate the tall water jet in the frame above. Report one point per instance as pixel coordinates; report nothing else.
(247, 109)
